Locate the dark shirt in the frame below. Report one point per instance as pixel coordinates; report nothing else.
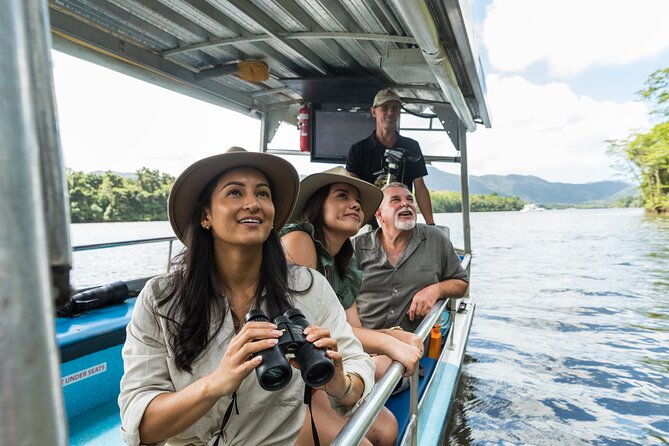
(365, 159)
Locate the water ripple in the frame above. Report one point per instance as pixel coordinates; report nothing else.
(571, 338)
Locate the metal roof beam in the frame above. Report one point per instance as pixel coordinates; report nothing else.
(307, 22)
(347, 21)
(271, 27)
(290, 36)
(419, 20)
(271, 91)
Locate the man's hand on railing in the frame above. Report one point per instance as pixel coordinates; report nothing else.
(423, 301)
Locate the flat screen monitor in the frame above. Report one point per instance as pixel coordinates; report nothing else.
(334, 131)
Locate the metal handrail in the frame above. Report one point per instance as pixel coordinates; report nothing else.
(95, 246)
(358, 425)
(123, 243)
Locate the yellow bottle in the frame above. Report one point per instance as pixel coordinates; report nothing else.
(435, 342)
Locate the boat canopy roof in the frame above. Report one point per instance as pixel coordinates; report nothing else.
(317, 51)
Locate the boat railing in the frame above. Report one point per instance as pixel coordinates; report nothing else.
(96, 246)
(359, 423)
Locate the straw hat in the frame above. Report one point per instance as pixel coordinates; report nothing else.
(188, 186)
(370, 195)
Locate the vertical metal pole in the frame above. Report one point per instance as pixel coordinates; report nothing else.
(54, 182)
(413, 407)
(169, 256)
(466, 229)
(464, 183)
(31, 407)
(264, 130)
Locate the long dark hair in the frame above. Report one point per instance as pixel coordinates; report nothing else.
(194, 293)
(313, 213)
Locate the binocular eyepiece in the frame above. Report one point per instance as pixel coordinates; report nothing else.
(274, 373)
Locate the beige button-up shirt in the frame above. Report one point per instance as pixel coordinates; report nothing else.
(265, 418)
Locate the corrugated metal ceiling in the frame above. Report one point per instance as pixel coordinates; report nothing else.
(188, 41)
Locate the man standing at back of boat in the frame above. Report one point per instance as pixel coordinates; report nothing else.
(366, 157)
(406, 266)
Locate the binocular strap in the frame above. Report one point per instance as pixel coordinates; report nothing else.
(308, 391)
(227, 415)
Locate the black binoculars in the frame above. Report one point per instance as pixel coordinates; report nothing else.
(274, 373)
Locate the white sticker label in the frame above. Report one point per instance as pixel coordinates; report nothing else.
(83, 374)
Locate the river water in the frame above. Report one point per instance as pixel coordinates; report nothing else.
(570, 343)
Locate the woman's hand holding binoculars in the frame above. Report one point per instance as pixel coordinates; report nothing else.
(320, 337)
(239, 359)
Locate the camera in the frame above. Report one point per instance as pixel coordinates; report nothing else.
(394, 163)
(274, 373)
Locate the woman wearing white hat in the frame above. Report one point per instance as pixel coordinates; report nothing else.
(189, 355)
(331, 207)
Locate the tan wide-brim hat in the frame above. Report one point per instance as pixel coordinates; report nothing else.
(187, 188)
(370, 195)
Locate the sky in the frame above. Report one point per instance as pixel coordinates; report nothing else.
(561, 80)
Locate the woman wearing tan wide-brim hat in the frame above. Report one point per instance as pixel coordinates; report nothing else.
(331, 207)
(189, 355)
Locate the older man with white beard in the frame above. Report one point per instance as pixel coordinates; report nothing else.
(406, 266)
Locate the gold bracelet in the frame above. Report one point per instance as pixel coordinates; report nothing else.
(396, 327)
(347, 391)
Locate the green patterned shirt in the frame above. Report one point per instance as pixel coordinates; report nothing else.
(345, 288)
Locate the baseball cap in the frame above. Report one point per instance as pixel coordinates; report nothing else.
(385, 95)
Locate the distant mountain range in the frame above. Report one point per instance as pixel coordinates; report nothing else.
(531, 188)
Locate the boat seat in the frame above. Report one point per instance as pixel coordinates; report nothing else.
(93, 331)
(91, 368)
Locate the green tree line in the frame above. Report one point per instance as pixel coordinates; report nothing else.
(111, 197)
(646, 152)
(444, 201)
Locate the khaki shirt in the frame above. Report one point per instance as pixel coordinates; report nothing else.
(386, 292)
(265, 418)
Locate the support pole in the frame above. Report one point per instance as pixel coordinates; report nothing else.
(31, 406)
(54, 181)
(464, 184)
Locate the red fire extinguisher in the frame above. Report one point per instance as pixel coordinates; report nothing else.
(303, 127)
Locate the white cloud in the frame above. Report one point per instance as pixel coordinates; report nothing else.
(550, 132)
(573, 35)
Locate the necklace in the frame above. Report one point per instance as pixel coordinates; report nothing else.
(235, 309)
(235, 322)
